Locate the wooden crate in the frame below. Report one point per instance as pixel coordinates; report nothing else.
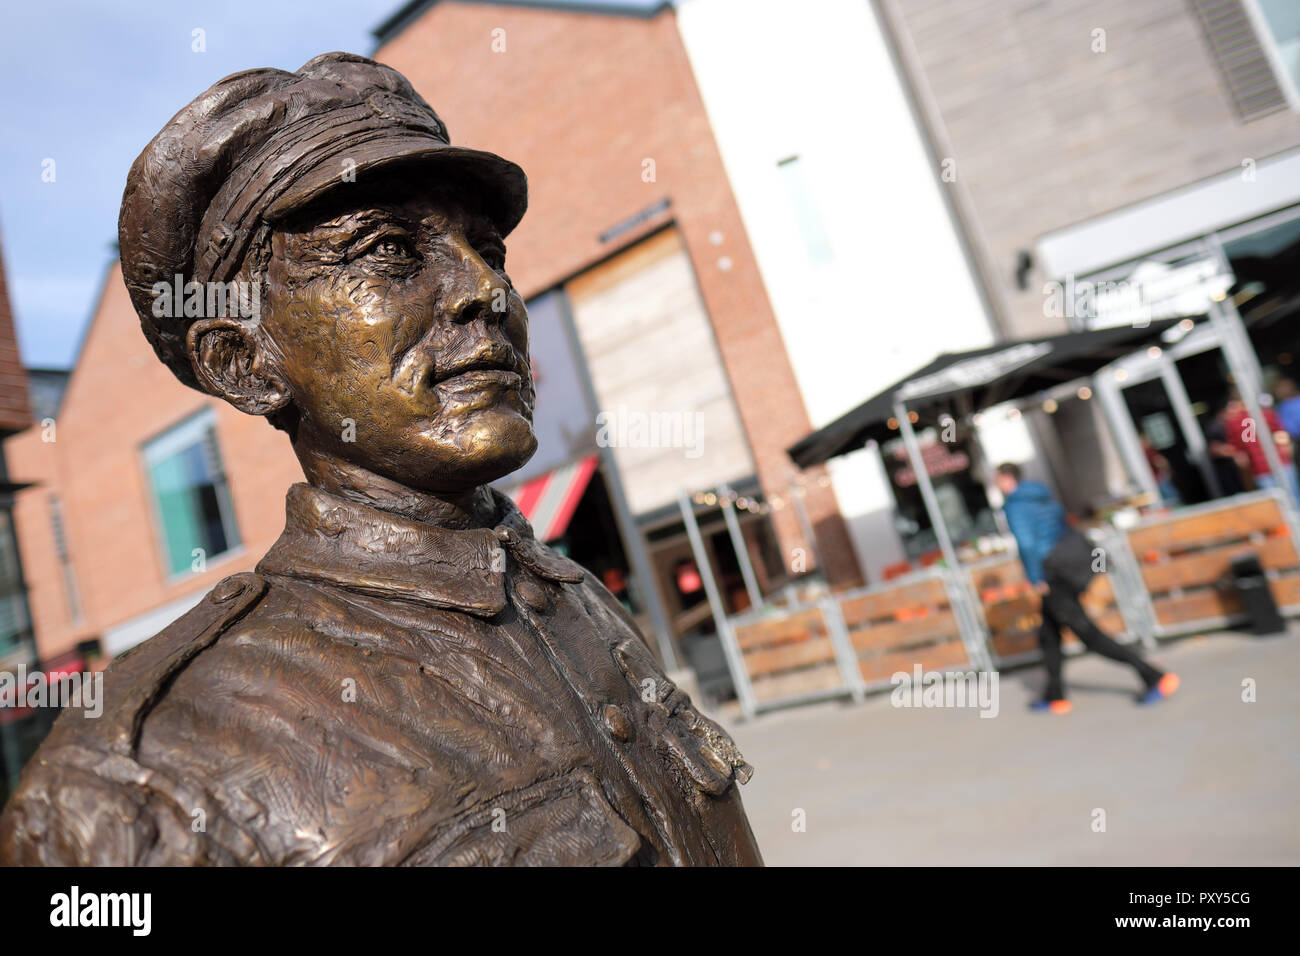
(1207, 528)
(1185, 560)
(931, 657)
(893, 629)
(1012, 607)
(789, 655)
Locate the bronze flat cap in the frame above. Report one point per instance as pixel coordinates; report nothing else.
(261, 144)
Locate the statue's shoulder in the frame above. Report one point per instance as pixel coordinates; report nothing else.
(83, 798)
(135, 680)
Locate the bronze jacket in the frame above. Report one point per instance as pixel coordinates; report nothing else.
(383, 691)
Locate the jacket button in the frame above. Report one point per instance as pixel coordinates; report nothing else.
(618, 723)
(532, 593)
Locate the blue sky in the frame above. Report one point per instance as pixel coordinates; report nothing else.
(88, 84)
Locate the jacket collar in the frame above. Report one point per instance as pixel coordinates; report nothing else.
(331, 539)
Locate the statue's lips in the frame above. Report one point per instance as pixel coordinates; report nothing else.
(482, 378)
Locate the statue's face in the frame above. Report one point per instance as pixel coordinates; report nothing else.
(402, 341)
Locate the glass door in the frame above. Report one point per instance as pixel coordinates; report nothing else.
(1165, 446)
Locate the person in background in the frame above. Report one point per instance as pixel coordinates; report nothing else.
(1230, 465)
(1288, 407)
(1242, 432)
(1059, 563)
(1288, 410)
(1162, 471)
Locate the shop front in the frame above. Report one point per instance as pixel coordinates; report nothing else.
(1198, 420)
(1162, 565)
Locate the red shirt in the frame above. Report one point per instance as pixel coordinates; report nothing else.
(1247, 440)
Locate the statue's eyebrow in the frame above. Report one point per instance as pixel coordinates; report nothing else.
(335, 234)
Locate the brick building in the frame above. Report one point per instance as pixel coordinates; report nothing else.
(645, 300)
(19, 730)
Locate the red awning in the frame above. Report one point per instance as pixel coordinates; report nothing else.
(548, 502)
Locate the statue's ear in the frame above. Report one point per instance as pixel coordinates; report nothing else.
(231, 363)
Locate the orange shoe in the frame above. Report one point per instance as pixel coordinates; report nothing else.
(1165, 687)
(1052, 706)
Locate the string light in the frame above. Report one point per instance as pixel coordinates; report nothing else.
(1050, 406)
(1085, 392)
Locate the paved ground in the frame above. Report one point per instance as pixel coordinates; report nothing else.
(1203, 778)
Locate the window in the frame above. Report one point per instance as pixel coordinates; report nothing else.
(71, 591)
(1278, 25)
(190, 496)
(1244, 45)
(805, 210)
(15, 625)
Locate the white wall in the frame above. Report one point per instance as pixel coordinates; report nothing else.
(814, 78)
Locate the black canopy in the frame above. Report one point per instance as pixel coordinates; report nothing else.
(959, 383)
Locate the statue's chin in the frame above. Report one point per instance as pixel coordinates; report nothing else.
(496, 442)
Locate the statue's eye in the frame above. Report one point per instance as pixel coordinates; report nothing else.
(391, 248)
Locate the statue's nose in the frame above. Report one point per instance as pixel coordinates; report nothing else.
(478, 291)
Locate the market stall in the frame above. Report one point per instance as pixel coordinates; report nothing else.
(996, 612)
(1162, 571)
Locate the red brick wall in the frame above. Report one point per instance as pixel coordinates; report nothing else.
(579, 100)
(14, 413)
(119, 397)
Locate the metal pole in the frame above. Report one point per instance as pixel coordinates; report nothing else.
(923, 482)
(846, 655)
(726, 497)
(810, 538)
(1125, 434)
(976, 645)
(735, 660)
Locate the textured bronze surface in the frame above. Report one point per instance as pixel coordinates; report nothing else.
(408, 677)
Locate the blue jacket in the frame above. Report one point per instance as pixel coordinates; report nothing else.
(1037, 522)
(1289, 412)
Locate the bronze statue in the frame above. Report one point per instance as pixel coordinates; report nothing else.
(408, 677)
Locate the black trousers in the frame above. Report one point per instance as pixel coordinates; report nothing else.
(1061, 608)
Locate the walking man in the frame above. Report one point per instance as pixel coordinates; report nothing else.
(1058, 561)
